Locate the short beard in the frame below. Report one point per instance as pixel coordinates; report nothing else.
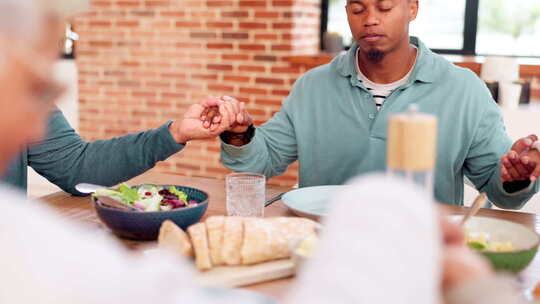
(375, 56)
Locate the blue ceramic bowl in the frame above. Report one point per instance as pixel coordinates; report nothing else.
(145, 225)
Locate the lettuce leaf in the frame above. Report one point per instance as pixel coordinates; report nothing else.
(128, 194)
(124, 193)
(107, 192)
(182, 196)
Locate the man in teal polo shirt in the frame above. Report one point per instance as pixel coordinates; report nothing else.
(335, 119)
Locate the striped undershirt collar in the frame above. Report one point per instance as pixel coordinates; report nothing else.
(381, 91)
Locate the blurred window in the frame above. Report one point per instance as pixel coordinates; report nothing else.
(509, 28)
(468, 27)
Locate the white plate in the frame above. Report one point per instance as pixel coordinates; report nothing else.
(311, 202)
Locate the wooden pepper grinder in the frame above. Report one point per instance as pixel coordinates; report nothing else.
(412, 147)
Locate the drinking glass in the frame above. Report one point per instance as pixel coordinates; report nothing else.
(246, 193)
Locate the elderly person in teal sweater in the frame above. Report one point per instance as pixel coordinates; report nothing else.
(63, 157)
(334, 122)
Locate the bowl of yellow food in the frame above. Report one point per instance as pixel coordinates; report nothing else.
(507, 245)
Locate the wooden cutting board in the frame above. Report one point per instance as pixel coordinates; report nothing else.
(236, 276)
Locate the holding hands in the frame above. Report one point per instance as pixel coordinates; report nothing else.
(191, 127)
(211, 117)
(228, 112)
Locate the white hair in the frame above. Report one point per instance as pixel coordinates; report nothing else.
(20, 23)
(20, 20)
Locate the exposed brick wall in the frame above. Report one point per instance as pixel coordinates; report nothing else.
(143, 62)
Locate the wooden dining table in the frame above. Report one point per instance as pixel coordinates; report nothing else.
(80, 210)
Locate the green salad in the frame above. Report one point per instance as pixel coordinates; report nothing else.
(150, 198)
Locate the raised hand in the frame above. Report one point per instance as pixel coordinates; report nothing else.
(235, 112)
(210, 116)
(521, 163)
(229, 111)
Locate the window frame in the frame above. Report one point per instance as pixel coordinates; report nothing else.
(470, 29)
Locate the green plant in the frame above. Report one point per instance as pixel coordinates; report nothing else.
(510, 18)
